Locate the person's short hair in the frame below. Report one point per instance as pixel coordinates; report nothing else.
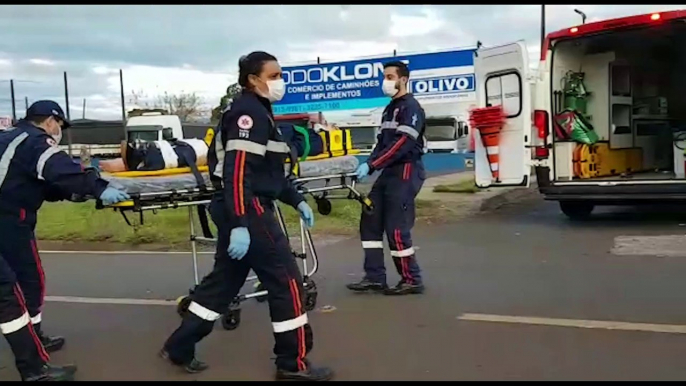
(251, 64)
(401, 67)
(37, 119)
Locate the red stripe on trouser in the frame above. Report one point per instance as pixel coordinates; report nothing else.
(22, 304)
(41, 274)
(301, 330)
(407, 170)
(258, 207)
(403, 260)
(389, 152)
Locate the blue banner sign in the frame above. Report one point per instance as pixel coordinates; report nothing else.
(357, 84)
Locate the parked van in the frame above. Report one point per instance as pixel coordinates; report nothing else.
(620, 83)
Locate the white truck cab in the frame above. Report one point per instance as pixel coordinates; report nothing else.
(631, 98)
(447, 134)
(154, 126)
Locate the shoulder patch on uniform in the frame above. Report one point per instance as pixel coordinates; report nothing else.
(245, 122)
(414, 119)
(51, 142)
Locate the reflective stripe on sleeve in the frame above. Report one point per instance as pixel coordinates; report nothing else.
(246, 146)
(203, 313)
(43, 159)
(278, 147)
(408, 130)
(219, 151)
(8, 155)
(372, 244)
(404, 253)
(15, 325)
(290, 325)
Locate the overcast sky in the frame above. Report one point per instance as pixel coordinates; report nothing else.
(177, 48)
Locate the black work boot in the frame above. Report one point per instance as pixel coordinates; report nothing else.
(404, 288)
(311, 374)
(51, 343)
(53, 373)
(191, 367)
(367, 285)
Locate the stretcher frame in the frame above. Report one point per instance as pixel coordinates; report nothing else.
(201, 197)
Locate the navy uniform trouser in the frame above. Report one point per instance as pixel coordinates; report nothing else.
(22, 289)
(393, 195)
(271, 259)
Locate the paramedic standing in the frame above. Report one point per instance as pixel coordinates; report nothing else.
(32, 170)
(246, 162)
(398, 154)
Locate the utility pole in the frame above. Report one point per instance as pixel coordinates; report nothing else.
(26, 102)
(123, 106)
(14, 106)
(83, 112)
(66, 99)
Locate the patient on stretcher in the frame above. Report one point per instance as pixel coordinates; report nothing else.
(180, 153)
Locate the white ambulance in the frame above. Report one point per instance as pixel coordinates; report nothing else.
(633, 72)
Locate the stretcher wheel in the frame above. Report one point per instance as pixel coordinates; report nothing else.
(310, 301)
(310, 294)
(182, 303)
(259, 288)
(231, 319)
(324, 206)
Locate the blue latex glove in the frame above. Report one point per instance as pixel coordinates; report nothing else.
(362, 171)
(239, 243)
(306, 214)
(112, 196)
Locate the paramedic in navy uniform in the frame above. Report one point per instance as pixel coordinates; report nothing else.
(246, 162)
(33, 169)
(398, 154)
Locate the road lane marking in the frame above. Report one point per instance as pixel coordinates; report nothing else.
(121, 253)
(578, 323)
(662, 246)
(123, 301)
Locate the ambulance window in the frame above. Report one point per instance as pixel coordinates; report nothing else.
(506, 90)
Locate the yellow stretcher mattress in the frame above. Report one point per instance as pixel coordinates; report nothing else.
(204, 168)
(182, 178)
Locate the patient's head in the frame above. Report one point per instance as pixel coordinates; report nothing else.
(260, 73)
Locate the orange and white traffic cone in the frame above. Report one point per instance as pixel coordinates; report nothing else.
(491, 139)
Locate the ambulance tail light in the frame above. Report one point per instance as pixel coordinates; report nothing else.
(542, 130)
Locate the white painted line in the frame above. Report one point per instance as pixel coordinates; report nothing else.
(578, 323)
(121, 253)
(132, 302)
(662, 246)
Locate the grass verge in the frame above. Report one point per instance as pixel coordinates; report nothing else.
(82, 223)
(467, 186)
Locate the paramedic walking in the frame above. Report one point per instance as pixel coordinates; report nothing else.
(246, 163)
(32, 170)
(398, 156)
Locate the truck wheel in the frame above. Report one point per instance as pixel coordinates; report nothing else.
(576, 210)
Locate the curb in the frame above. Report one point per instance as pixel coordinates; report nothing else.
(508, 196)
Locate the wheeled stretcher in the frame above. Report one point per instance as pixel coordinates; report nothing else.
(166, 189)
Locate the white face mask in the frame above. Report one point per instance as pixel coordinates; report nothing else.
(277, 89)
(58, 137)
(389, 87)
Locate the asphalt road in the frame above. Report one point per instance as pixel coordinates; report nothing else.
(525, 261)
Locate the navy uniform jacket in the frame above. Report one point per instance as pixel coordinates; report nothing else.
(33, 169)
(247, 157)
(401, 138)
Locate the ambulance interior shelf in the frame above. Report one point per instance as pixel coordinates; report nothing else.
(633, 101)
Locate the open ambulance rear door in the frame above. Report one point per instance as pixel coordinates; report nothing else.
(501, 75)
